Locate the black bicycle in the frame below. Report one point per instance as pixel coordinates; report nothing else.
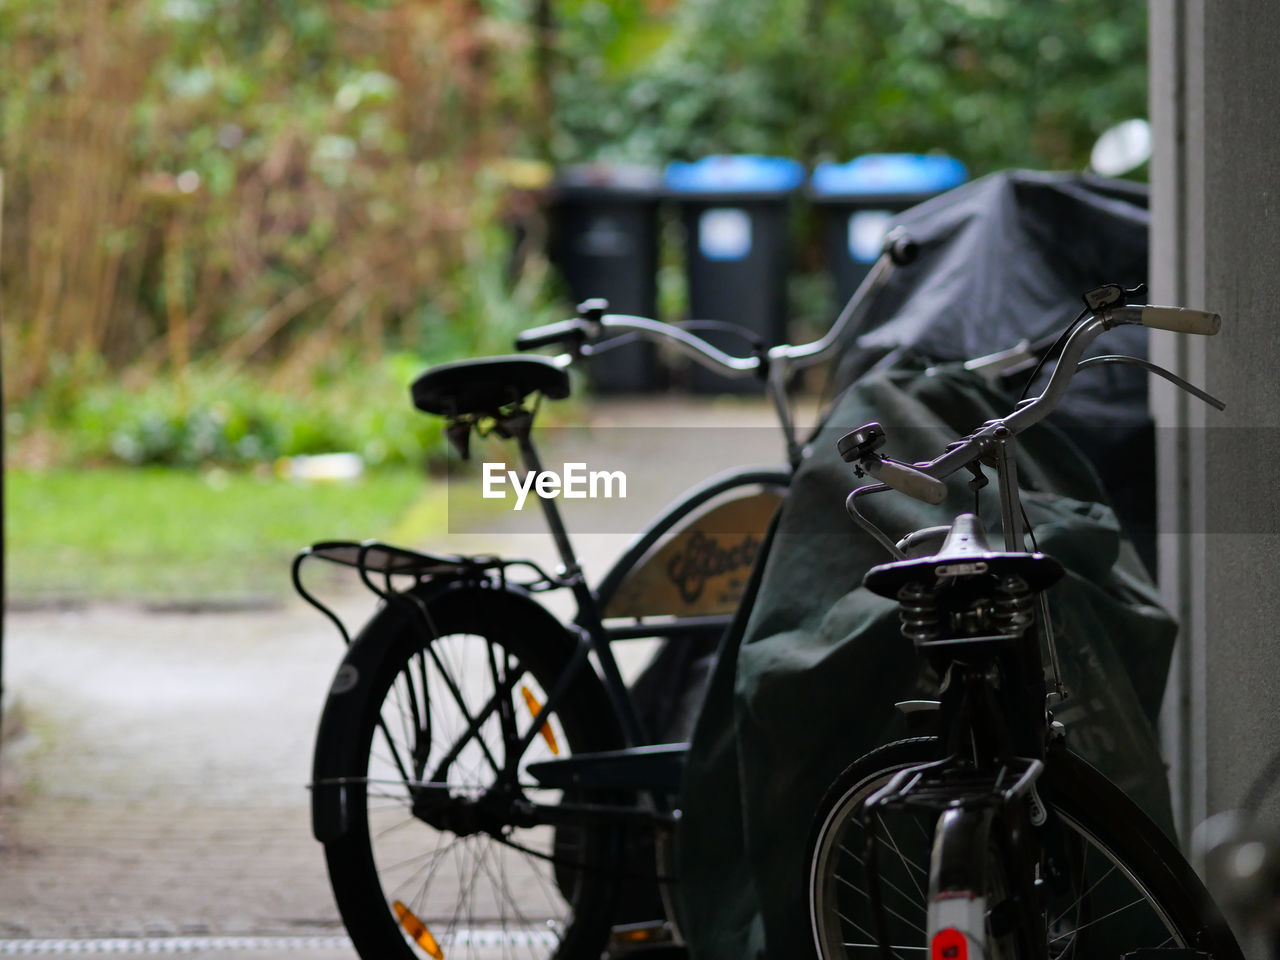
(988, 837)
(482, 782)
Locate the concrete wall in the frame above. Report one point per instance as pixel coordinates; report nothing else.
(1215, 110)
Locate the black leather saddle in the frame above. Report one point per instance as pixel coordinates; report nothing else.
(487, 385)
(965, 553)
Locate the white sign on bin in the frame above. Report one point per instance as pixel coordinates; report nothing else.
(724, 233)
(866, 233)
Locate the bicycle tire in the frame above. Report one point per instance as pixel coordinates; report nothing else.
(1086, 814)
(482, 888)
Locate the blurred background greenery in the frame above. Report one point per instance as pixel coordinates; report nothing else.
(234, 231)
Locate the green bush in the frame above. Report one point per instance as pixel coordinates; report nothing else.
(234, 421)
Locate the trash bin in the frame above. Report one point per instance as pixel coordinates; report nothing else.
(735, 211)
(857, 201)
(603, 229)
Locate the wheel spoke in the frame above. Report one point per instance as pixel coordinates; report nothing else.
(857, 889)
(918, 900)
(1081, 898)
(1097, 920)
(867, 933)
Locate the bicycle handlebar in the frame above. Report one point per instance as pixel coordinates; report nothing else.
(578, 333)
(561, 332)
(1032, 411)
(705, 353)
(1176, 319)
(908, 480)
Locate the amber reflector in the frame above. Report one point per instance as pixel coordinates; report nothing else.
(418, 930)
(535, 708)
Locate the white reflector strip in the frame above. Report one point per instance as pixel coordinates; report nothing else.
(171, 945)
(479, 937)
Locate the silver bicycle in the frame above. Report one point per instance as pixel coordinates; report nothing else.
(988, 837)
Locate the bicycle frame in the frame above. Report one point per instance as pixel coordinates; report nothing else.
(652, 769)
(592, 605)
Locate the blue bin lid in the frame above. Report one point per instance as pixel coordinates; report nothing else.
(735, 174)
(888, 173)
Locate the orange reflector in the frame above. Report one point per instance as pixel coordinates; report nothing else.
(949, 944)
(535, 708)
(642, 935)
(418, 930)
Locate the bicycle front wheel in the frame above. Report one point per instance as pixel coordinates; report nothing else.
(1112, 881)
(431, 861)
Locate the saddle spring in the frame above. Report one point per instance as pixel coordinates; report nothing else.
(1014, 606)
(918, 611)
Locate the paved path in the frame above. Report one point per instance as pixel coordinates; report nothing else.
(152, 783)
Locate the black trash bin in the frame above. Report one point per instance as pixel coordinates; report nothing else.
(735, 211)
(857, 201)
(604, 241)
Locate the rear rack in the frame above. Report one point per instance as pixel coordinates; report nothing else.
(398, 571)
(942, 784)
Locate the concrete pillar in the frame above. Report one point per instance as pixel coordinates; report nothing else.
(1215, 176)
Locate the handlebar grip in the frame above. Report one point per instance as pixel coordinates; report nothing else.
(1182, 320)
(908, 480)
(562, 331)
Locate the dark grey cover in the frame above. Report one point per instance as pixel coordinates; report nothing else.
(1007, 257)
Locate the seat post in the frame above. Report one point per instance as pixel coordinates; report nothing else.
(520, 426)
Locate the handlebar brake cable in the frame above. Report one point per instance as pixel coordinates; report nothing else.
(1056, 348)
(1159, 371)
(882, 538)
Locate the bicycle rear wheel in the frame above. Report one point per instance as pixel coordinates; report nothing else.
(1113, 882)
(432, 862)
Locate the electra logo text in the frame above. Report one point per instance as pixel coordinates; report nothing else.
(574, 483)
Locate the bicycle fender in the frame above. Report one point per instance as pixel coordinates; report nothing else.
(339, 735)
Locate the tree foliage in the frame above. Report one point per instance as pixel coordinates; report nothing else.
(244, 180)
(997, 83)
(276, 184)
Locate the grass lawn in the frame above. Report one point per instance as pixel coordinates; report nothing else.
(161, 535)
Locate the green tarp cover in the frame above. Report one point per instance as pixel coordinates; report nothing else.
(807, 677)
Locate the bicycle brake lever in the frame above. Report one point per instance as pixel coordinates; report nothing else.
(1112, 295)
(1159, 371)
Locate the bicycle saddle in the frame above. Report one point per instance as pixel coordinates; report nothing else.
(965, 553)
(487, 384)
